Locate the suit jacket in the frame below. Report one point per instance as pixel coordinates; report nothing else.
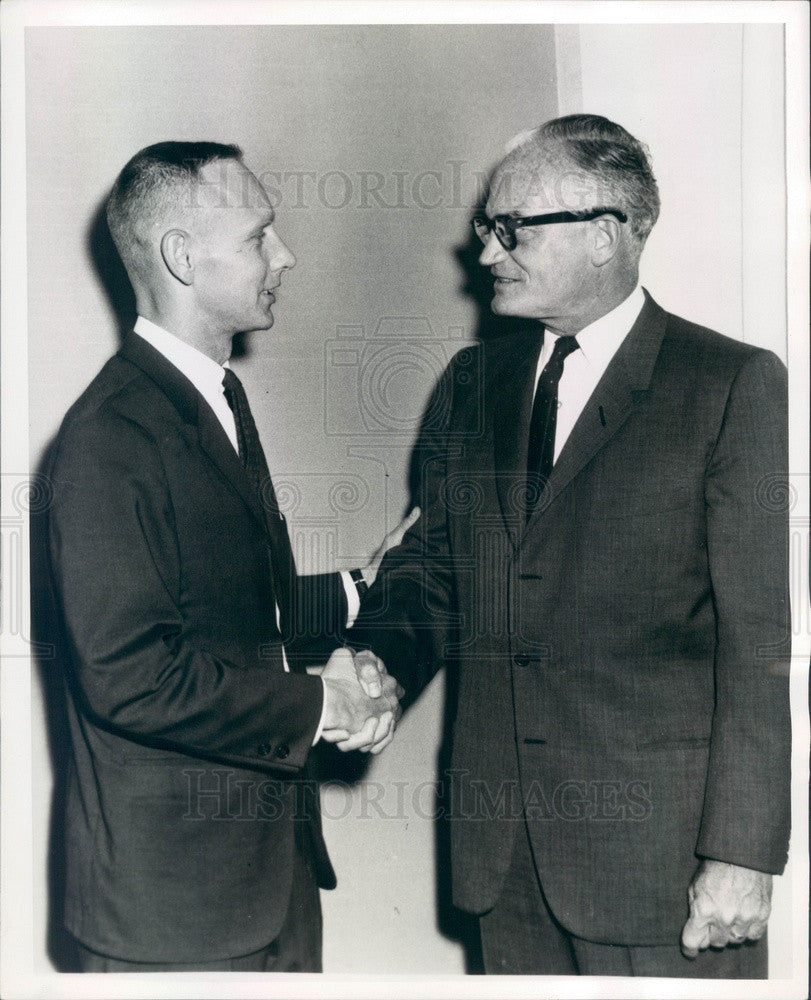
(189, 738)
(622, 657)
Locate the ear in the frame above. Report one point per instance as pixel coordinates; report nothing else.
(176, 254)
(605, 236)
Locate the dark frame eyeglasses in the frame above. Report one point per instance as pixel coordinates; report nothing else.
(505, 226)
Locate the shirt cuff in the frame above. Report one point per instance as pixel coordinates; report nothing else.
(318, 731)
(352, 598)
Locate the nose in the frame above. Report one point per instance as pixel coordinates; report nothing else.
(493, 251)
(281, 257)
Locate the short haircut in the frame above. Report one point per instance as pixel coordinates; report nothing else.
(154, 188)
(610, 154)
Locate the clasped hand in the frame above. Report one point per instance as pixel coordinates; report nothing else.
(362, 701)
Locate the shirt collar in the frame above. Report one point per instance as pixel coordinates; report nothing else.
(202, 371)
(600, 340)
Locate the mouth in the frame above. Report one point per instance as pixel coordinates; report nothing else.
(500, 281)
(269, 296)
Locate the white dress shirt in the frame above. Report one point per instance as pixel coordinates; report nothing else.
(206, 376)
(583, 369)
(202, 371)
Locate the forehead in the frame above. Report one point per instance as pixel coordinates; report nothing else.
(518, 185)
(227, 189)
(536, 180)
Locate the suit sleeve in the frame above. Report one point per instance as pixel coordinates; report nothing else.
(746, 814)
(116, 569)
(319, 619)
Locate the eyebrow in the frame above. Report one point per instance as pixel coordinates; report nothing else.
(260, 227)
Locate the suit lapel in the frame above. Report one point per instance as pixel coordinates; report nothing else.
(621, 389)
(195, 411)
(511, 415)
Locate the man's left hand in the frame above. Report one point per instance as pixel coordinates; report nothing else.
(728, 904)
(393, 538)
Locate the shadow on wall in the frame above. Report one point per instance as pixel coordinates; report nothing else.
(475, 283)
(110, 271)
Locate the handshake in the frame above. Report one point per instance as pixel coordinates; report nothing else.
(362, 701)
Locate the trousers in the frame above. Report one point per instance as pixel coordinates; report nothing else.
(520, 936)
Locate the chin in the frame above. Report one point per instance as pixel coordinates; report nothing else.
(500, 306)
(266, 323)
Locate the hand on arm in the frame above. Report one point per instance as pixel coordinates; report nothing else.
(393, 538)
(354, 719)
(728, 904)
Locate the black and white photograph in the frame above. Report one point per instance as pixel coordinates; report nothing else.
(405, 499)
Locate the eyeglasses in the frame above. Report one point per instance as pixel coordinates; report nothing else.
(505, 226)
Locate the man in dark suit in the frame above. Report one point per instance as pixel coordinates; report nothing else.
(193, 836)
(602, 559)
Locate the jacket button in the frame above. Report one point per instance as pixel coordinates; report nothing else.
(282, 751)
(264, 749)
(521, 660)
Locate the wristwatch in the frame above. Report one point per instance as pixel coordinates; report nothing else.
(360, 584)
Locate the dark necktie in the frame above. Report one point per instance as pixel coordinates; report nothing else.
(256, 467)
(250, 448)
(541, 447)
(282, 565)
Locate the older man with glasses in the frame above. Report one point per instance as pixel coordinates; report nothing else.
(598, 560)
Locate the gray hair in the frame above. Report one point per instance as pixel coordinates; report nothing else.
(612, 156)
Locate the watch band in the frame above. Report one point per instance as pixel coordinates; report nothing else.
(360, 584)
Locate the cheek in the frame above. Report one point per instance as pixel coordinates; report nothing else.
(540, 266)
(558, 269)
(254, 269)
(217, 274)
(238, 270)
